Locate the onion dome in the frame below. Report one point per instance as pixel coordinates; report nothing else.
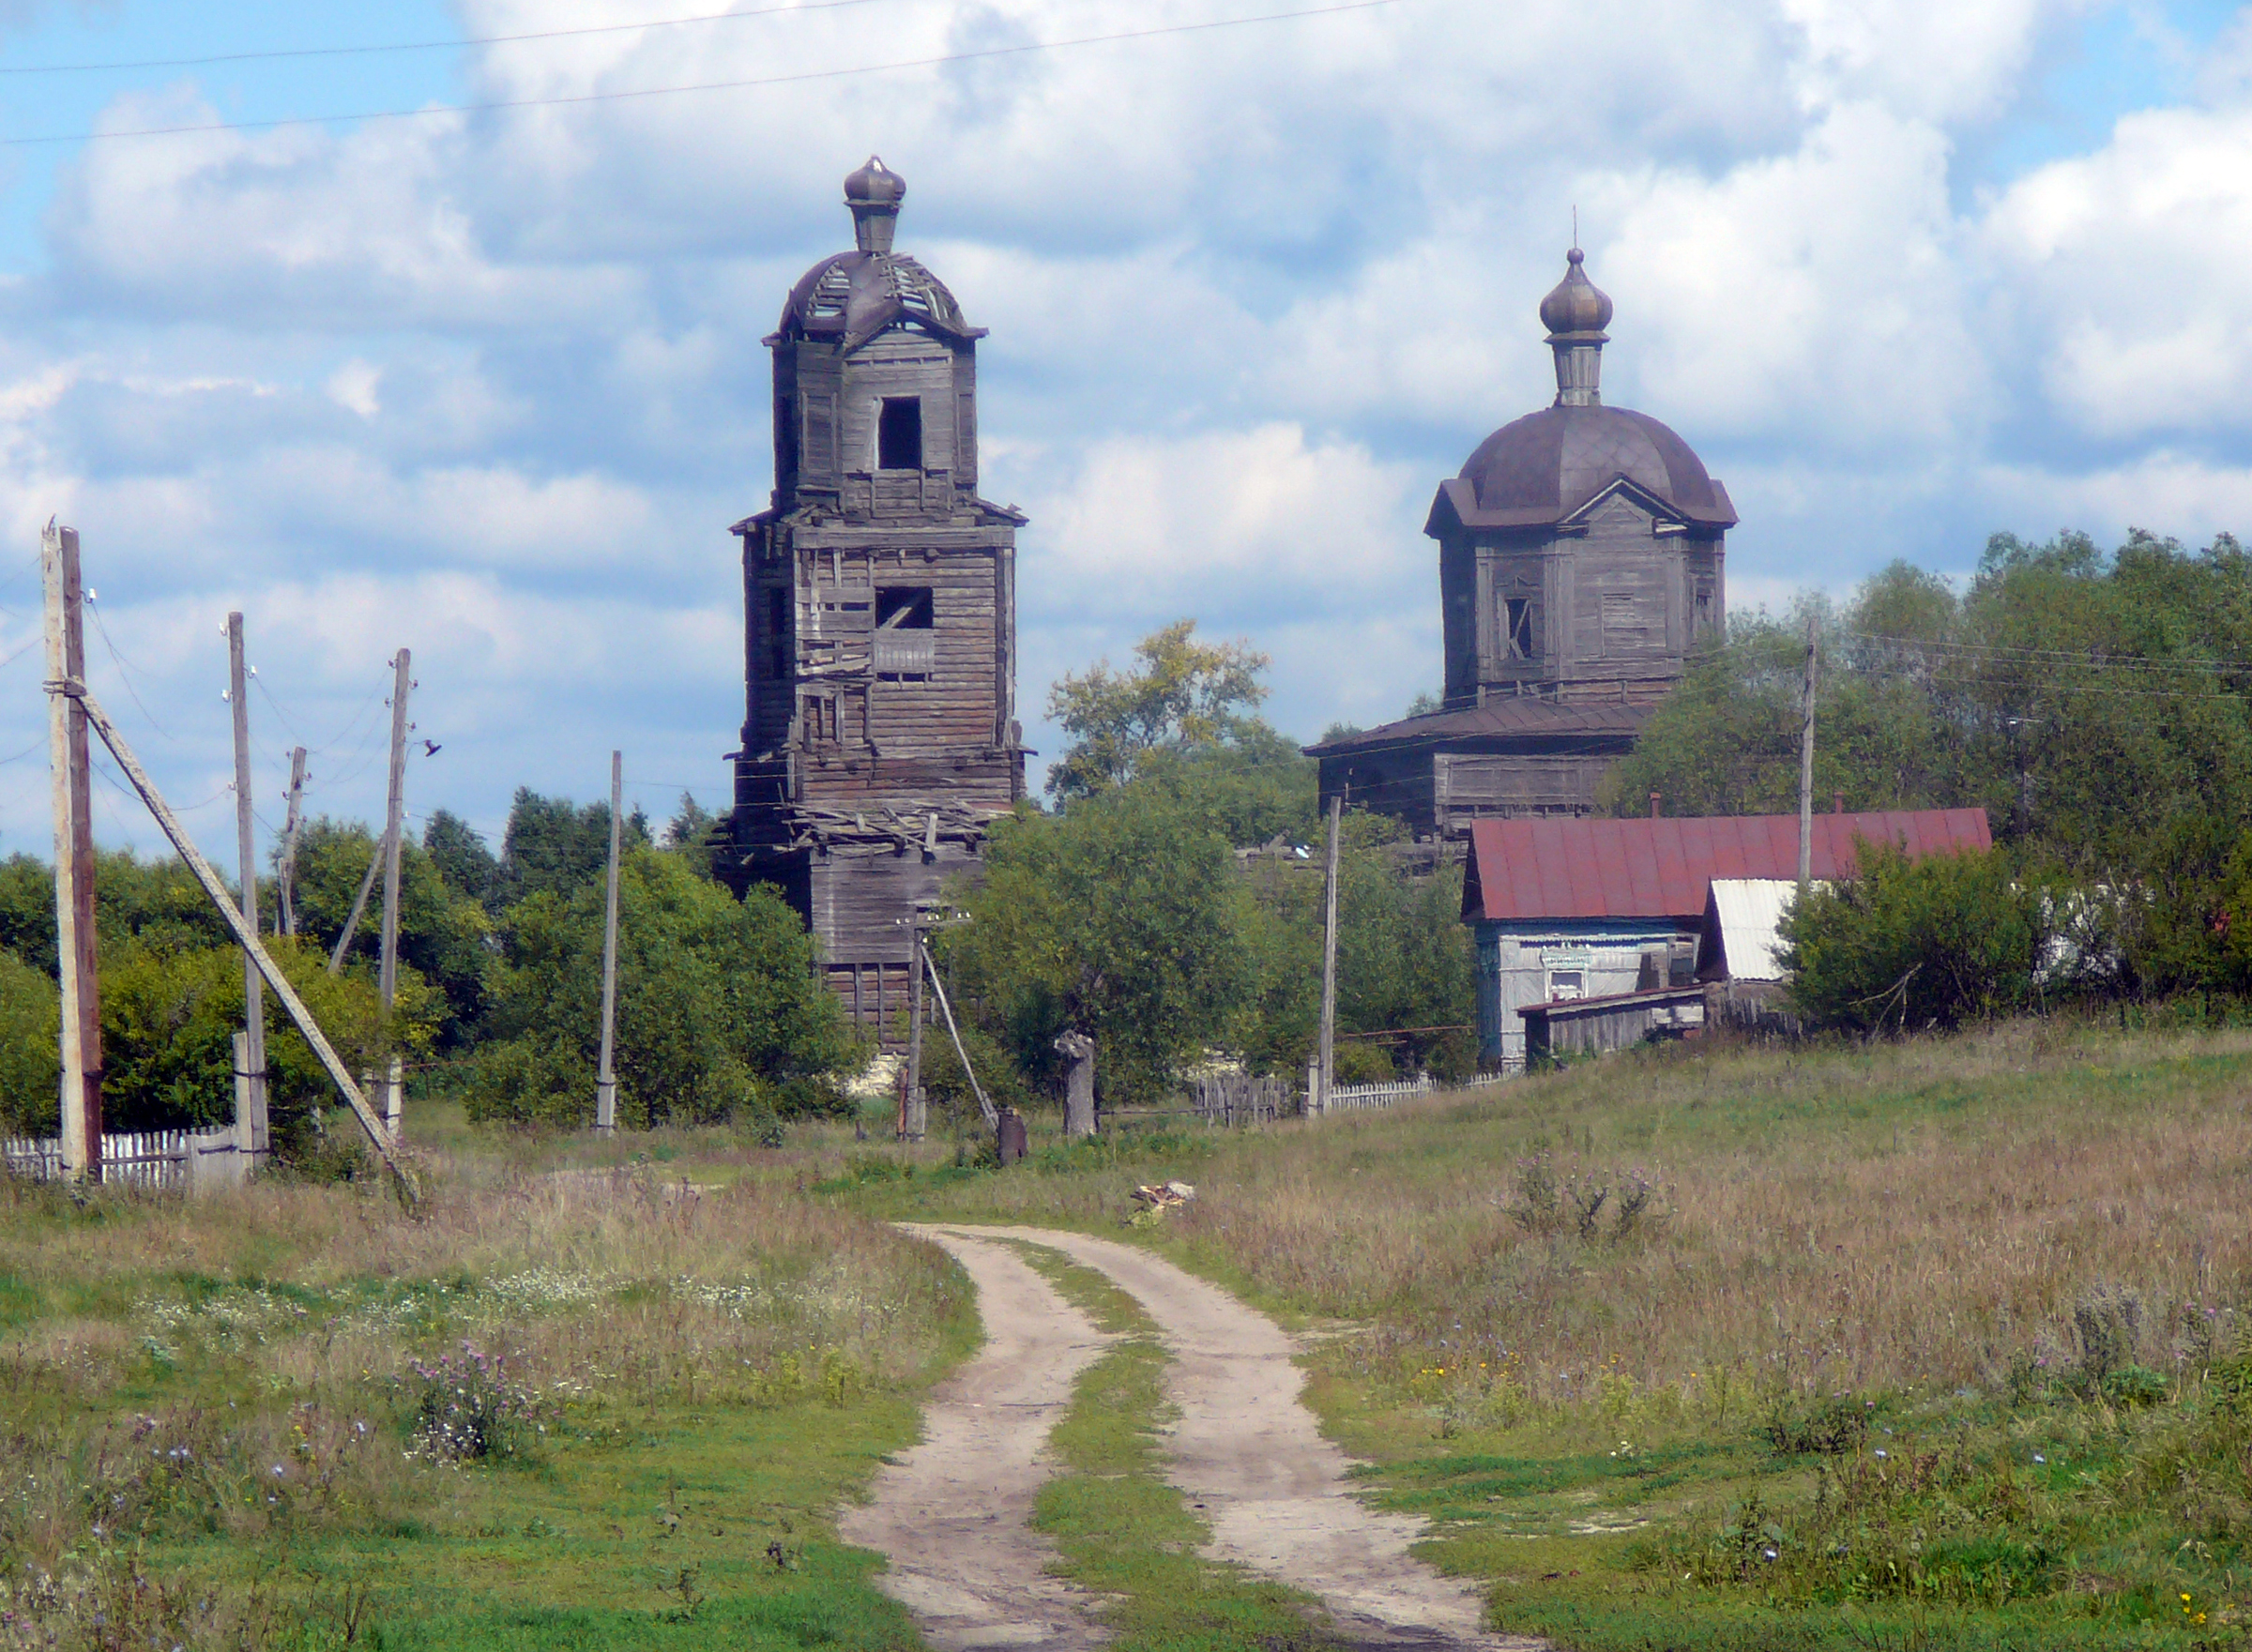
(1576, 304)
(852, 296)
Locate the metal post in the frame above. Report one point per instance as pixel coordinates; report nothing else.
(1328, 960)
(1807, 756)
(253, 1120)
(605, 1083)
(81, 1090)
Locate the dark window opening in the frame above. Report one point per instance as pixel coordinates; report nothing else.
(899, 434)
(1518, 640)
(778, 633)
(903, 608)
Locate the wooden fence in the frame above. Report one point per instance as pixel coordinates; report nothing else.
(192, 1159)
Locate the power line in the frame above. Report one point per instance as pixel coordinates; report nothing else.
(268, 56)
(783, 79)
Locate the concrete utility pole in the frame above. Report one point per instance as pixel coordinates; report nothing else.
(914, 1110)
(250, 1089)
(605, 1083)
(387, 979)
(1807, 756)
(1329, 963)
(286, 883)
(360, 905)
(81, 1096)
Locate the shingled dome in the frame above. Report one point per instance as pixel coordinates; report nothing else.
(1555, 461)
(852, 296)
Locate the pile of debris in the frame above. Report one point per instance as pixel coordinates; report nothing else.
(1150, 1204)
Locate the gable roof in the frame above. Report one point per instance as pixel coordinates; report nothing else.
(1502, 717)
(1744, 925)
(1587, 868)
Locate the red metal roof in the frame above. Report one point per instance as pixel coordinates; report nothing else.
(1585, 868)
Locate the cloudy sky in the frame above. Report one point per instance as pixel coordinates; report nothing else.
(484, 378)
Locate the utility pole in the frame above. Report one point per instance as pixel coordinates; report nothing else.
(1807, 756)
(252, 1085)
(914, 1110)
(287, 882)
(1329, 961)
(360, 905)
(73, 792)
(605, 1083)
(387, 977)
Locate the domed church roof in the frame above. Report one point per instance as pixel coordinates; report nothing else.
(855, 296)
(1547, 467)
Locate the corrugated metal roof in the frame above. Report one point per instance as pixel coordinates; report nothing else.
(1585, 868)
(1747, 913)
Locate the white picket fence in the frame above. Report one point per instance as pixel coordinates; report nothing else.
(1347, 1098)
(196, 1160)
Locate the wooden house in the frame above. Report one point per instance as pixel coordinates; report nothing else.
(1581, 558)
(879, 735)
(1566, 910)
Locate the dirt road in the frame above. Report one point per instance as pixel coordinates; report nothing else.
(1245, 1450)
(951, 1514)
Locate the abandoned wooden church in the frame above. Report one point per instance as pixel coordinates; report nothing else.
(1581, 557)
(879, 594)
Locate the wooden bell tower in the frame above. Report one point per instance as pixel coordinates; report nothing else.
(880, 734)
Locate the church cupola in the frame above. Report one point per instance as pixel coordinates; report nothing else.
(1576, 313)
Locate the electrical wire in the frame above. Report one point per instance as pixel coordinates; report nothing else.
(568, 100)
(124, 675)
(458, 41)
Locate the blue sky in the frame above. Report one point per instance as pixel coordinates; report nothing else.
(490, 384)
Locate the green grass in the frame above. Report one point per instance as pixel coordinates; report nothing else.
(1121, 1529)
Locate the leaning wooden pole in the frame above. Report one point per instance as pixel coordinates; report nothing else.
(285, 881)
(81, 1091)
(251, 1121)
(1329, 961)
(378, 1136)
(605, 1083)
(360, 905)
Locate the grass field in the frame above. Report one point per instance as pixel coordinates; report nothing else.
(1935, 1343)
(1928, 1345)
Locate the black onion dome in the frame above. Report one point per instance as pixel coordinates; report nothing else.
(874, 185)
(1555, 461)
(1575, 304)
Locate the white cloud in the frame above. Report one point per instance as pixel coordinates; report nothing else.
(354, 386)
(2131, 270)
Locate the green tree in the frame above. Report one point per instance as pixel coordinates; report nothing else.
(1187, 696)
(555, 848)
(720, 1010)
(1120, 918)
(169, 1017)
(458, 852)
(445, 933)
(688, 834)
(30, 1049)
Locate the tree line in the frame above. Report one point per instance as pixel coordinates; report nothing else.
(2098, 704)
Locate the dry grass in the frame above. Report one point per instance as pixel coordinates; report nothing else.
(1908, 1215)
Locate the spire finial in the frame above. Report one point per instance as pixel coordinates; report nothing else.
(1576, 313)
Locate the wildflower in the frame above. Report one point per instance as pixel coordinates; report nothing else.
(1883, 1452)
(2038, 1458)
(1769, 1553)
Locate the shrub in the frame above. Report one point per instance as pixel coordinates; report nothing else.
(1932, 943)
(30, 1061)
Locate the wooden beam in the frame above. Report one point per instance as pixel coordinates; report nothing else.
(251, 1121)
(605, 1083)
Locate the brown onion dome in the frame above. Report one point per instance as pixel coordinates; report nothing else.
(1576, 304)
